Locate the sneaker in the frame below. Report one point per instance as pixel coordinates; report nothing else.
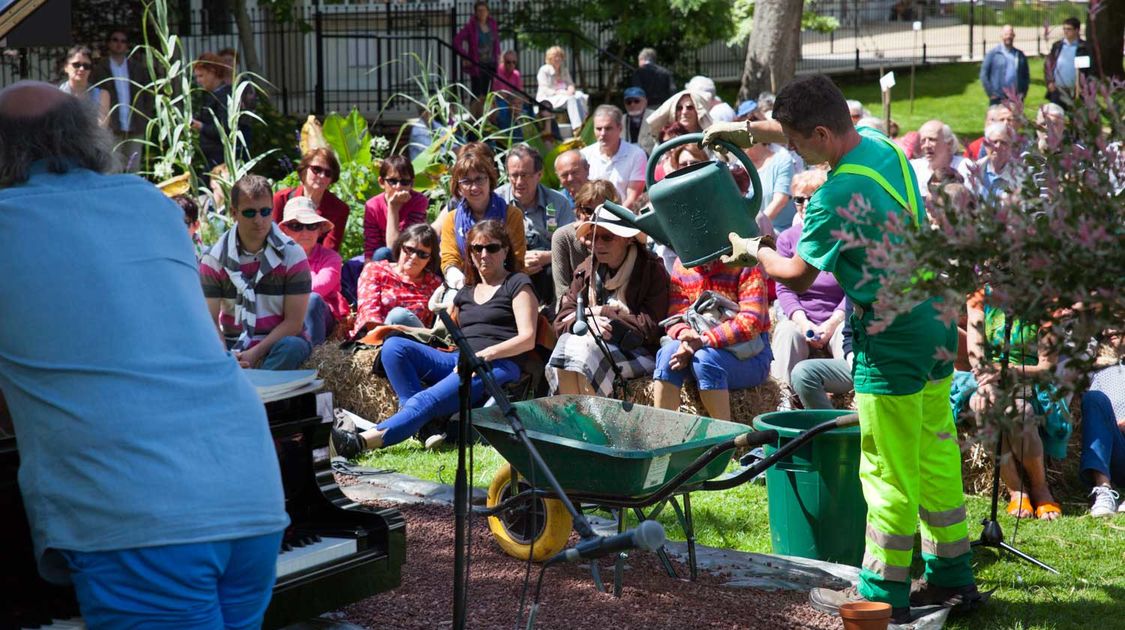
(829, 601)
(1103, 501)
(959, 598)
(348, 444)
(435, 441)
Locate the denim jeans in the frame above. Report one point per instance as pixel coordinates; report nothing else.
(814, 379)
(383, 253)
(221, 584)
(401, 316)
(319, 320)
(289, 353)
(1103, 443)
(715, 369)
(426, 385)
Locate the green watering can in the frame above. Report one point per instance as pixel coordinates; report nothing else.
(694, 209)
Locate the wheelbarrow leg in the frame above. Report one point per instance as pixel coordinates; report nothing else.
(660, 553)
(595, 573)
(619, 562)
(684, 516)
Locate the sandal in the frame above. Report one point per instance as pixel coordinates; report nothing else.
(1043, 509)
(1021, 508)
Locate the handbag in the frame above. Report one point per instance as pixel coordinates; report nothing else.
(708, 311)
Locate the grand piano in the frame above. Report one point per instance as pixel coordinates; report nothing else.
(335, 551)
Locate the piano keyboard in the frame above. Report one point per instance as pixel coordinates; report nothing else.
(311, 552)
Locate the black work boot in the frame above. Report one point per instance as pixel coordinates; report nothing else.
(959, 598)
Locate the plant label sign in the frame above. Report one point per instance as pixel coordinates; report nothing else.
(887, 81)
(1082, 63)
(917, 26)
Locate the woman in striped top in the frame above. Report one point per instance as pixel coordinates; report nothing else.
(734, 354)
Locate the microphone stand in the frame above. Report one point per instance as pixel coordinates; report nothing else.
(468, 364)
(619, 390)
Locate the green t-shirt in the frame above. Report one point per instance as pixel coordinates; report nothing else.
(900, 359)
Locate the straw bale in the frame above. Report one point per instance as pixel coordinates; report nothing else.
(349, 377)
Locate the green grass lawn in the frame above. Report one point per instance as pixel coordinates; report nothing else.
(1090, 553)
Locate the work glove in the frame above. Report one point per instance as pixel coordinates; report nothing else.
(744, 251)
(736, 133)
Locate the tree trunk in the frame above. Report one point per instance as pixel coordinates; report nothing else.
(249, 52)
(1105, 30)
(774, 47)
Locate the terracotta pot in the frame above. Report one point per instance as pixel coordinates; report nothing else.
(865, 615)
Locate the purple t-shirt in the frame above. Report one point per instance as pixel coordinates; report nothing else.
(823, 297)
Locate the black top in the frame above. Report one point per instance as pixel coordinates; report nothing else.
(494, 321)
(657, 82)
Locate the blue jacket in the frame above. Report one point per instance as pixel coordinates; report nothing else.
(993, 68)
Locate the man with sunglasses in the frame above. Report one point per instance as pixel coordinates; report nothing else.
(637, 129)
(257, 284)
(132, 107)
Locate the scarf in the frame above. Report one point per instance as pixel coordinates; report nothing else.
(615, 284)
(245, 303)
(463, 220)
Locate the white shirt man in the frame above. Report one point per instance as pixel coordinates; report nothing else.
(613, 159)
(937, 143)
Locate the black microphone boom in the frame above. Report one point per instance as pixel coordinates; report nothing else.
(649, 536)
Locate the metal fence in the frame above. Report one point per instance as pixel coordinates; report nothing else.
(354, 54)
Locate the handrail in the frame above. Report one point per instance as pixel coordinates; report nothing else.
(575, 34)
(441, 43)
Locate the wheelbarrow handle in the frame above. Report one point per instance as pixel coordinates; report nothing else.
(755, 438)
(850, 420)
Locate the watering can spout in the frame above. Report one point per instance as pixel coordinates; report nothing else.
(646, 221)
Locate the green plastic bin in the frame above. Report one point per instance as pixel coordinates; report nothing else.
(816, 506)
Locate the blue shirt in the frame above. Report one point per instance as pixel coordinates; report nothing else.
(135, 428)
(552, 210)
(777, 177)
(1065, 73)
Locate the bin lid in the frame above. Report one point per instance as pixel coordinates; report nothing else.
(790, 424)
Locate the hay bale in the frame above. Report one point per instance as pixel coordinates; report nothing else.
(349, 377)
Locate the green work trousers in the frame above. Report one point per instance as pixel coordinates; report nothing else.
(910, 470)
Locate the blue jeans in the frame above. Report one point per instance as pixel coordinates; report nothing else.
(319, 320)
(289, 353)
(410, 367)
(349, 278)
(1103, 443)
(383, 253)
(204, 586)
(400, 316)
(814, 379)
(715, 369)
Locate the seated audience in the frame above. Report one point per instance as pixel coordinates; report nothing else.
(1103, 436)
(734, 354)
(774, 164)
(396, 208)
(497, 311)
(318, 170)
(810, 320)
(686, 155)
(998, 172)
(567, 250)
(257, 284)
(669, 131)
(473, 185)
(543, 208)
(626, 295)
(557, 88)
(814, 379)
(996, 114)
(939, 155)
(637, 129)
(396, 290)
(1025, 443)
(690, 109)
(326, 305)
(191, 220)
(857, 111)
(573, 172)
(614, 159)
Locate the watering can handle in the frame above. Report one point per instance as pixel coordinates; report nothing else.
(697, 138)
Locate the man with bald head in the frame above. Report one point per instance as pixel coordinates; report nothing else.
(1005, 69)
(938, 146)
(573, 171)
(146, 464)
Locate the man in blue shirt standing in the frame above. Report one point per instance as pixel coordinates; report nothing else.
(147, 468)
(1059, 70)
(1005, 68)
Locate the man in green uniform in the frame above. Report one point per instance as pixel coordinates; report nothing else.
(910, 466)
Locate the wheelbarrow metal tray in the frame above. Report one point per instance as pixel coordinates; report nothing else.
(601, 446)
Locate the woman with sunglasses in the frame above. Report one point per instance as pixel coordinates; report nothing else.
(473, 182)
(396, 290)
(685, 107)
(326, 306)
(79, 63)
(318, 170)
(497, 312)
(625, 291)
(390, 212)
(567, 250)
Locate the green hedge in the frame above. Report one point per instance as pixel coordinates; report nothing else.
(1024, 14)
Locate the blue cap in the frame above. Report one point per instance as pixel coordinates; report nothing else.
(745, 108)
(634, 92)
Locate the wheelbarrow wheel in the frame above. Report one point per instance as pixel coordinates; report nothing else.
(512, 528)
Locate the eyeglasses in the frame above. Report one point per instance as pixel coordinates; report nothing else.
(800, 201)
(491, 248)
(118, 40)
(297, 226)
(687, 107)
(250, 213)
(471, 182)
(81, 65)
(320, 171)
(632, 101)
(587, 210)
(511, 62)
(414, 251)
(394, 181)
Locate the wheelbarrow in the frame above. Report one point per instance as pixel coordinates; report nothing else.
(616, 455)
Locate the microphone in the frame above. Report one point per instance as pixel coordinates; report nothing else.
(649, 536)
(580, 326)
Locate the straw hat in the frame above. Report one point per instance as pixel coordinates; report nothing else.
(303, 210)
(609, 222)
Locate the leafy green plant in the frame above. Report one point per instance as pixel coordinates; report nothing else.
(742, 14)
(169, 145)
(1025, 13)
